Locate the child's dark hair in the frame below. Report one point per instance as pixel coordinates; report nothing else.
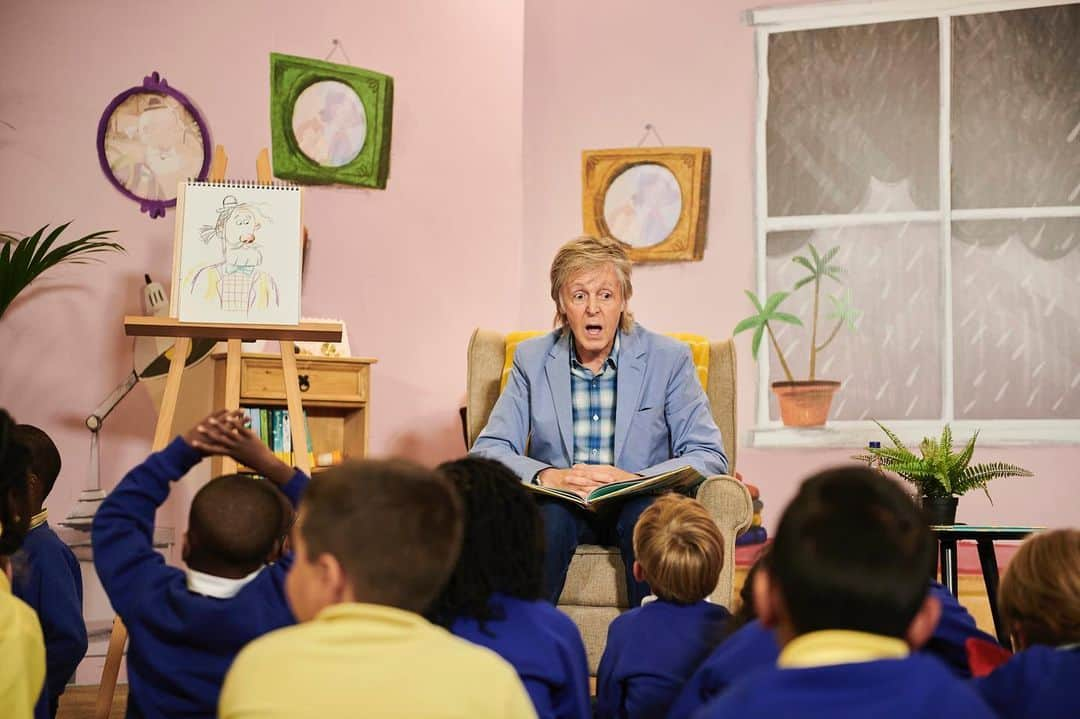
(852, 551)
(503, 546)
(234, 521)
(14, 498)
(44, 457)
(394, 526)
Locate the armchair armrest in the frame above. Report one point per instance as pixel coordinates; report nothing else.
(728, 502)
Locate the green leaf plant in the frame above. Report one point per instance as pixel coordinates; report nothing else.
(22, 260)
(939, 472)
(819, 267)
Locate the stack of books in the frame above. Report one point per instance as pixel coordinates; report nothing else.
(755, 533)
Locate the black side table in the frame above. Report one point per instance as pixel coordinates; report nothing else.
(949, 534)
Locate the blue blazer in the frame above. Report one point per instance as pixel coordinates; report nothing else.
(662, 416)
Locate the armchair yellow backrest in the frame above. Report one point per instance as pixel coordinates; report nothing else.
(699, 350)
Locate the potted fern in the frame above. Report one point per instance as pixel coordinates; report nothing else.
(23, 259)
(803, 403)
(940, 475)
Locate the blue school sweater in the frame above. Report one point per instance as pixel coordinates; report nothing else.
(752, 648)
(911, 688)
(650, 653)
(181, 643)
(1040, 682)
(545, 648)
(47, 577)
(954, 628)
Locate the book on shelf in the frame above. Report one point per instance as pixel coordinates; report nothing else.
(273, 429)
(680, 478)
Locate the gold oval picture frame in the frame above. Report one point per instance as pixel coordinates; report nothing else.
(655, 197)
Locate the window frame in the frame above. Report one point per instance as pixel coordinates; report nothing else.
(852, 433)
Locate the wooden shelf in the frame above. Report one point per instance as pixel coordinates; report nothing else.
(335, 393)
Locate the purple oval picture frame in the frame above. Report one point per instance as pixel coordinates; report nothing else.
(153, 84)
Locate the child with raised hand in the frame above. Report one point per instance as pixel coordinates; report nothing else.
(1039, 600)
(374, 543)
(846, 592)
(186, 627)
(46, 574)
(22, 648)
(652, 650)
(494, 595)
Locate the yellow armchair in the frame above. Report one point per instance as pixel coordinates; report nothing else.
(595, 589)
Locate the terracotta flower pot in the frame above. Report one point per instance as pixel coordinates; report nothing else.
(805, 403)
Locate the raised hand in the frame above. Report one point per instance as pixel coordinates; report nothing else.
(225, 432)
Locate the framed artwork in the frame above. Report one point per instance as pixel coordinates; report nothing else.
(330, 123)
(652, 199)
(150, 139)
(237, 251)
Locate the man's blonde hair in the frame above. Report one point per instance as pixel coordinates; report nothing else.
(589, 253)
(680, 549)
(1039, 596)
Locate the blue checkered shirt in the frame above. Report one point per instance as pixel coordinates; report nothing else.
(592, 396)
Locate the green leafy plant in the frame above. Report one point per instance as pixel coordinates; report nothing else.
(939, 472)
(819, 267)
(22, 260)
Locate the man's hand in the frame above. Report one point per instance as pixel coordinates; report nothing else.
(225, 433)
(582, 478)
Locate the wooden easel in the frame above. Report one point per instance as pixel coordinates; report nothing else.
(234, 335)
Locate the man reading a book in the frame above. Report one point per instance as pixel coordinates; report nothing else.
(600, 399)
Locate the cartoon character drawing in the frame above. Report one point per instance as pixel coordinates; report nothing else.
(236, 282)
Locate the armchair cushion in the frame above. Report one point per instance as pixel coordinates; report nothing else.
(699, 351)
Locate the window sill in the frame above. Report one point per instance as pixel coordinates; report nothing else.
(856, 434)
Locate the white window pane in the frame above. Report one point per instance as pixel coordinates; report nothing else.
(890, 366)
(1016, 108)
(850, 107)
(1016, 319)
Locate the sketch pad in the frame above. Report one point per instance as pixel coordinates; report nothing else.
(237, 253)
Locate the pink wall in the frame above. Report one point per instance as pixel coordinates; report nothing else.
(595, 73)
(396, 265)
(471, 132)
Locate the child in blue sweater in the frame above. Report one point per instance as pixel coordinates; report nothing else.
(47, 575)
(753, 646)
(653, 649)
(1039, 601)
(493, 597)
(22, 648)
(845, 592)
(187, 627)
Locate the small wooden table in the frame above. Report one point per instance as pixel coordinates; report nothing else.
(949, 534)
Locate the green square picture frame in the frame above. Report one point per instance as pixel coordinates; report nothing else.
(291, 75)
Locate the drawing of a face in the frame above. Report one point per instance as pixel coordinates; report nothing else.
(240, 241)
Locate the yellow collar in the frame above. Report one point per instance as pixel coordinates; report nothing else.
(39, 519)
(364, 610)
(818, 649)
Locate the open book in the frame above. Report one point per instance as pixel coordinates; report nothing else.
(675, 479)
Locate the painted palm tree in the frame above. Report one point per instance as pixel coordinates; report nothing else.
(819, 268)
(22, 260)
(767, 313)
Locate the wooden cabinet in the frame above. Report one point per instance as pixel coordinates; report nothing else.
(335, 393)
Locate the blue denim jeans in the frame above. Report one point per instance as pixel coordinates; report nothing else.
(567, 525)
